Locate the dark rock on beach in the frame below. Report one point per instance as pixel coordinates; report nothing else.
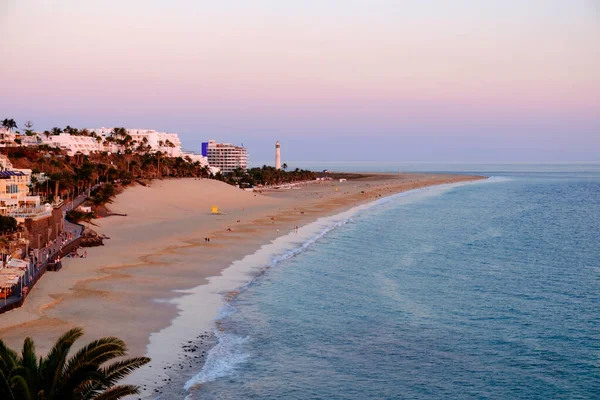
(90, 238)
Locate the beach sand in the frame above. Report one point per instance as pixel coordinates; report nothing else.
(159, 248)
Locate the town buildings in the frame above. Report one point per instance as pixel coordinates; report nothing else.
(167, 143)
(14, 190)
(225, 156)
(164, 142)
(74, 144)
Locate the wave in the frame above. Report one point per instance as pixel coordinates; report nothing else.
(221, 359)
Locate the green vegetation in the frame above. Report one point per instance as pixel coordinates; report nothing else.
(83, 376)
(266, 176)
(76, 216)
(9, 124)
(103, 194)
(69, 176)
(7, 224)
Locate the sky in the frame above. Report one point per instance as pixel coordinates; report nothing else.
(352, 80)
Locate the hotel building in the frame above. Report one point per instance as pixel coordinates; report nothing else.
(225, 156)
(158, 141)
(74, 144)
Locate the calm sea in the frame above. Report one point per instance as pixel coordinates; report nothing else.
(482, 290)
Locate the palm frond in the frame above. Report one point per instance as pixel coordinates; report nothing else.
(20, 388)
(98, 352)
(95, 353)
(28, 356)
(86, 374)
(112, 374)
(121, 369)
(118, 392)
(5, 388)
(24, 376)
(8, 358)
(53, 364)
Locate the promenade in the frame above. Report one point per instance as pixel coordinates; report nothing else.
(39, 259)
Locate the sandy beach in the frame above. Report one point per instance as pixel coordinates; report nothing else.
(159, 248)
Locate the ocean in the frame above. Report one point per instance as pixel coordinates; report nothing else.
(485, 290)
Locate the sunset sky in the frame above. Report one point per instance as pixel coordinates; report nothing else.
(422, 80)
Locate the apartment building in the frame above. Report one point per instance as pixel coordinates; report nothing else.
(225, 156)
(165, 142)
(14, 189)
(74, 144)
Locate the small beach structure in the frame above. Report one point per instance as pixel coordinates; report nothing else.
(9, 278)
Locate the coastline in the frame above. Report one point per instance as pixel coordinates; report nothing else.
(157, 255)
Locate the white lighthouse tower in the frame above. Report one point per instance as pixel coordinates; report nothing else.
(277, 156)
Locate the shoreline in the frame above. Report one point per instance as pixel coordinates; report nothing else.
(238, 277)
(131, 268)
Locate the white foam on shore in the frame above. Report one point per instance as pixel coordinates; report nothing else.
(201, 307)
(221, 359)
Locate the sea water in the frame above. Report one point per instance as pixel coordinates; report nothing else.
(483, 290)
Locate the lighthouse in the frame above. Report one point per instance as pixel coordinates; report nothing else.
(277, 156)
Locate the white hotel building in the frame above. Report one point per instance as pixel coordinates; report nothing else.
(74, 144)
(156, 140)
(225, 156)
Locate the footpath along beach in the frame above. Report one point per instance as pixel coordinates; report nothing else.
(159, 248)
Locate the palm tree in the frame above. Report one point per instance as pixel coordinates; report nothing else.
(9, 124)
(284, 166)
(158, 157)
(56, 131)
(170, 147)
(144, 147)
(56, 376)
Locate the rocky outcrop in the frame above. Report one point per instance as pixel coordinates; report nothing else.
(91, 238)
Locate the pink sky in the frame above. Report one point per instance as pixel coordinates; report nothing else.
(234, 69)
